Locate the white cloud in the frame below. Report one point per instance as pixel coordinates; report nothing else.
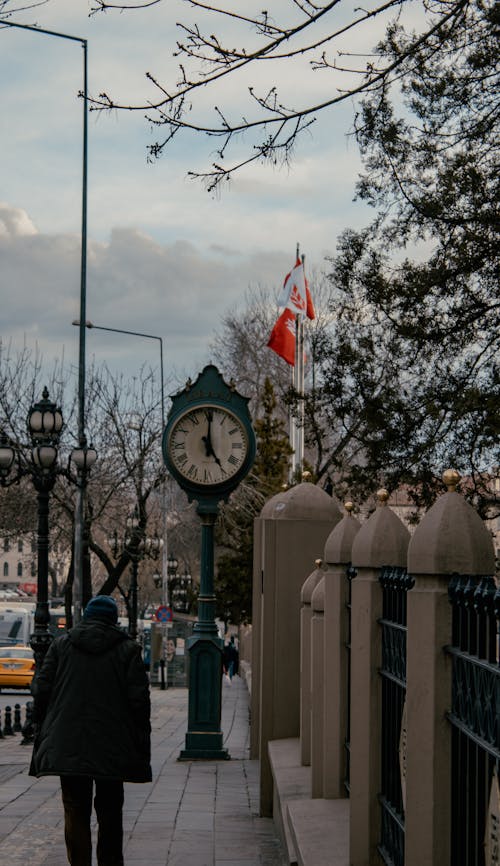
(14, 222)
(175, 290)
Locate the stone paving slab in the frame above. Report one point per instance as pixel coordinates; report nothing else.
(201, 813)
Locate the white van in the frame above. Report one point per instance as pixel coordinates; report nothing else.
(16, 624)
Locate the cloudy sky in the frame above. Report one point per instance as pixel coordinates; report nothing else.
(164, 257)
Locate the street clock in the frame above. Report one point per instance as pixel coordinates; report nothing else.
(208, 447)
(209, 442)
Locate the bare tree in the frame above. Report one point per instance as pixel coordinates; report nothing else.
(254, 46)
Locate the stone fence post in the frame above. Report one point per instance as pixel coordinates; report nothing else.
(306, 662)
(336, 690)
(318, 663)
(289, 534)
(451, 539)
(381, 541)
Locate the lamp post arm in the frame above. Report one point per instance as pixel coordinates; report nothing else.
(36, 29)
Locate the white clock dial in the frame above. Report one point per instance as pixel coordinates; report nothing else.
(208, 445)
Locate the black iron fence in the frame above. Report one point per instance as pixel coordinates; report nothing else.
(395, 584)
(475, 718)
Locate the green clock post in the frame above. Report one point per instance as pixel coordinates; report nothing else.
(208, 447)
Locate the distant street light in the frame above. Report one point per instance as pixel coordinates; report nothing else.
(138, 546)
(87, 324)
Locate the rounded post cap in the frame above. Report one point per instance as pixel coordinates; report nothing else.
(451, 478)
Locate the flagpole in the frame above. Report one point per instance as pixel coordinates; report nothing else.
(302, 378)
(294, 431)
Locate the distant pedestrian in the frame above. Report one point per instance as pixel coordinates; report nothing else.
(92, 718)
(230, 658)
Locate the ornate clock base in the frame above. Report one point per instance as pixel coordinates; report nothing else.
(204, 747)
(204, 739)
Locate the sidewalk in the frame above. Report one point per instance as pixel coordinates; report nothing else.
(192, 813)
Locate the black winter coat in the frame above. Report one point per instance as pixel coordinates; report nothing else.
(92, 707)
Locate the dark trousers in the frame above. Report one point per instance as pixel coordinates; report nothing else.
(77, 800)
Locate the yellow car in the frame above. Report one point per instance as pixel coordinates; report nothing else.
(17, 666)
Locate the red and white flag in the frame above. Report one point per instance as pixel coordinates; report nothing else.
(282, 339)
(295, 293)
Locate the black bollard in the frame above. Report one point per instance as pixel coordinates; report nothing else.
(27, 729)
(7, 727)
(17, 719)
(1, 733)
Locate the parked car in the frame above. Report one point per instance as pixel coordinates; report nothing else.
(17, 666)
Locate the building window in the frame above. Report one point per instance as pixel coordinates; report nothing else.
(6, 569)
(33, 569)
(6, 545)
(19, 569)
(20, 546)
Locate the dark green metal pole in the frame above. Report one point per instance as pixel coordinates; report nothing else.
(204, 738)
(132, 629)
(42, 638)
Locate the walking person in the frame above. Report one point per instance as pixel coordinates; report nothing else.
(230, 658)
(92, 723)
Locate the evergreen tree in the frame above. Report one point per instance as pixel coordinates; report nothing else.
(234, 567)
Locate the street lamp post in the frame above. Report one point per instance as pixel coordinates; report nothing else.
(82, 442)
(83, 459)
(172, 566)
(137, 546)
(44, 424)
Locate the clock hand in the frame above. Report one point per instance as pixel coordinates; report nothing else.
(207, 440)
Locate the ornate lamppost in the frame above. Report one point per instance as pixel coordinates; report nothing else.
(180, 592)
(172, 566)
(137, 546)
(44, 424)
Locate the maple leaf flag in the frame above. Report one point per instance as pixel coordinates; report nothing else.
(295, 293)
(282, 339)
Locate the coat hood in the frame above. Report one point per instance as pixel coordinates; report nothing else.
(95, 637)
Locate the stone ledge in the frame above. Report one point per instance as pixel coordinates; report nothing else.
(246, 674)
(319, 831)
(291, 781)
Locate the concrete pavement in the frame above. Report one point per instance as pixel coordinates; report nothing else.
(192, 813)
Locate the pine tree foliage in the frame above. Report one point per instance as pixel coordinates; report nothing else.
(425, 271)
(269, 474)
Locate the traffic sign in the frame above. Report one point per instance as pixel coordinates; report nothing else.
(164, 613)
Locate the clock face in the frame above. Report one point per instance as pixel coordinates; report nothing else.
(208, 445)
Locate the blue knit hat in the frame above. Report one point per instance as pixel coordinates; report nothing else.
(102, 607)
